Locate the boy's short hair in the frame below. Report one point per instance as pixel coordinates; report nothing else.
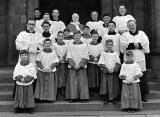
(23, 52)
(94, 32)
(86, 27)
(60, 32)
(47, 40)
(129, 53)
(45, 22)
(66, 30)
(31, 19)
(112, 23)
(106, 14)
(109, 40)
(36, 9)
(77, 32)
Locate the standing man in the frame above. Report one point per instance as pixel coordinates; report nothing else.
(138, 42)
(29, 40)
(57, 25)
(37, 14)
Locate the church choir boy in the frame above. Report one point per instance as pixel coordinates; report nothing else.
(77, 82)
(61, 50)
(110, 64)
(24, 75)
(46, 33)
(46, 86)
(93, 69)
(130, 74)
(68, 39)
(86, 37)
(114, 36)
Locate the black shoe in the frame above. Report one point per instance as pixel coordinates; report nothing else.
(114, 102)
(106, 102)
(84, 100)
(145, 100)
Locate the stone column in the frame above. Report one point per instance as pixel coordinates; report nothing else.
(155, 31)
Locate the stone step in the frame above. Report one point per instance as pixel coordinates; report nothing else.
(7, 96)
(61, 106)
(155, 86)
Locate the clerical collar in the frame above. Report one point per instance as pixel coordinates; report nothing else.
(109, 51)
(55, 19)
(135, 33)
(93, 43)
(129, 62)
(60, 43)
(46, 34)
(47, 50)
(24, 63)
(94, 20)
(105, 25)
(112, 33)
(87, 36)
(30, 32)
(37, 18)
(77, 42)
(122, 15)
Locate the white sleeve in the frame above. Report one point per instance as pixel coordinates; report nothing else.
(123, 43)
(138, 70)
(32, 71)
(145, 43)
(102, 59)
(122, 71)
(16, 71)
(85, 52)
(117, 58)
(21, 43)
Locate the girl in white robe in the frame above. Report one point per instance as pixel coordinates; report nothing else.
(46, 85)
(137, 41)
(121, 21)
(93, 70)
(62, 68)
(110, 64)
(130, 74)
(77, 82)
(24, 75)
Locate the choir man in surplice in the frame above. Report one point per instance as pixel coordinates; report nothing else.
(57, 25)
(138, 42)
(122, 19)
(94, 24)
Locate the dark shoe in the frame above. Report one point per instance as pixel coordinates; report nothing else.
(145, 100)
(114, 102)
(105, 102)
(84, 100)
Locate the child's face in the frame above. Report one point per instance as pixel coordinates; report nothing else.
(31, 25)
(86, 31)
(47, 44)
(46, 18)
(66, 33)
(106, 19)
(24, 57)
(111, 27)
(95, 37)
(130, 58)
(60, 36)
(77, 37)
(109, 46)
(46, 27)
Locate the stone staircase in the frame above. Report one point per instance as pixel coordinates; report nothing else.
(95, 104)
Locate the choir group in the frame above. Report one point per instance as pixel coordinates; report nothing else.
(78, 61)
